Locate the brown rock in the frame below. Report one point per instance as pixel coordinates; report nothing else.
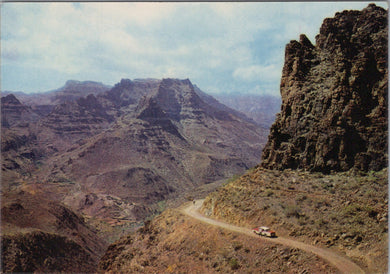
(334, 97)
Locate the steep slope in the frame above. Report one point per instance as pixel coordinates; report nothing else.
(212, 101)
(42, 235)
(346, 211)
(43, 252)
(74, 120)
(13, 112)
(174, 243)
(334, 110)
(170, 143)
(128, 92)
(17, 140)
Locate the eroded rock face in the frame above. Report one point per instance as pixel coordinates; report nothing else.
(81, 117)
(13, 112)
(334, 97)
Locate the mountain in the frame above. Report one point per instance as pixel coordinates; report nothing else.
(112, 157)
(158, 146)
(82, 117)
(261, 108)
(13, 112)
(47, 235)
(43, 103)
(334, 97)
(323, 180)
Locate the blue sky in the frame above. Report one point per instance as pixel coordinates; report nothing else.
(220, 47)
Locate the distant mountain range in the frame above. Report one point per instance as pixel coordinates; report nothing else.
(116, 155)
(261, 108)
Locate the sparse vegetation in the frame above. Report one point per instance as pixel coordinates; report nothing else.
(345, 210)
(177, 243)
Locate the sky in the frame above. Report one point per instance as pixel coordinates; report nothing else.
(221, 47)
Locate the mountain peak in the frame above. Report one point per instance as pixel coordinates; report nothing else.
(10, 99)
(334, 98)
(178, 98)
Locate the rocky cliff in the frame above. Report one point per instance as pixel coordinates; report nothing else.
(84, 116)
(13, 112)
(334, 97)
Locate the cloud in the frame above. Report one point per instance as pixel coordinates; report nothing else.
(221, 47)
(268, 73)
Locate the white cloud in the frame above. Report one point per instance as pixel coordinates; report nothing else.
(219, 46)
(268, 73)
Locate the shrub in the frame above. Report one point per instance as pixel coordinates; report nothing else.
(292, 211)
(237, 246)
(234, 264)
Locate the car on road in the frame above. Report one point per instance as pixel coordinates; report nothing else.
(264, 231)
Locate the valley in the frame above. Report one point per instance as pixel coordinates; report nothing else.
(115, 156)
(157, 176)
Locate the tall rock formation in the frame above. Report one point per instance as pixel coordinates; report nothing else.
(334, 97)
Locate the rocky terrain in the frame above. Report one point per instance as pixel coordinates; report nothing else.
(109, 158)
(160, 141)
(43, 103)
(174, 243)
(334, 97)
(347, 211)
(15, 113)
(42, 235)
(323, 179)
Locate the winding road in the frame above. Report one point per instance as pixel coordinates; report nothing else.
(340, 262)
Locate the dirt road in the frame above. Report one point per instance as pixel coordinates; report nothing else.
(340, 262)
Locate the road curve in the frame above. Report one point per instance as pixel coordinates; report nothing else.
(340, 262)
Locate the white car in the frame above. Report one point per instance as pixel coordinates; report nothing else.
(264, 231)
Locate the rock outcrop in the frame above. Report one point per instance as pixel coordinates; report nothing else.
(83, 117)
(13, 112)
(334, 97)
(39, 235)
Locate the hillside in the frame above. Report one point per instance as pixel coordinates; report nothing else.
(323, 179)
(345, 211)
(158, 140)
(171, 243)
(42, 235)
(113, 157)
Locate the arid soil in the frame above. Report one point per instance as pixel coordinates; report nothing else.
(40, 235)
(341, 263)
(345, 211)
(176, 243)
